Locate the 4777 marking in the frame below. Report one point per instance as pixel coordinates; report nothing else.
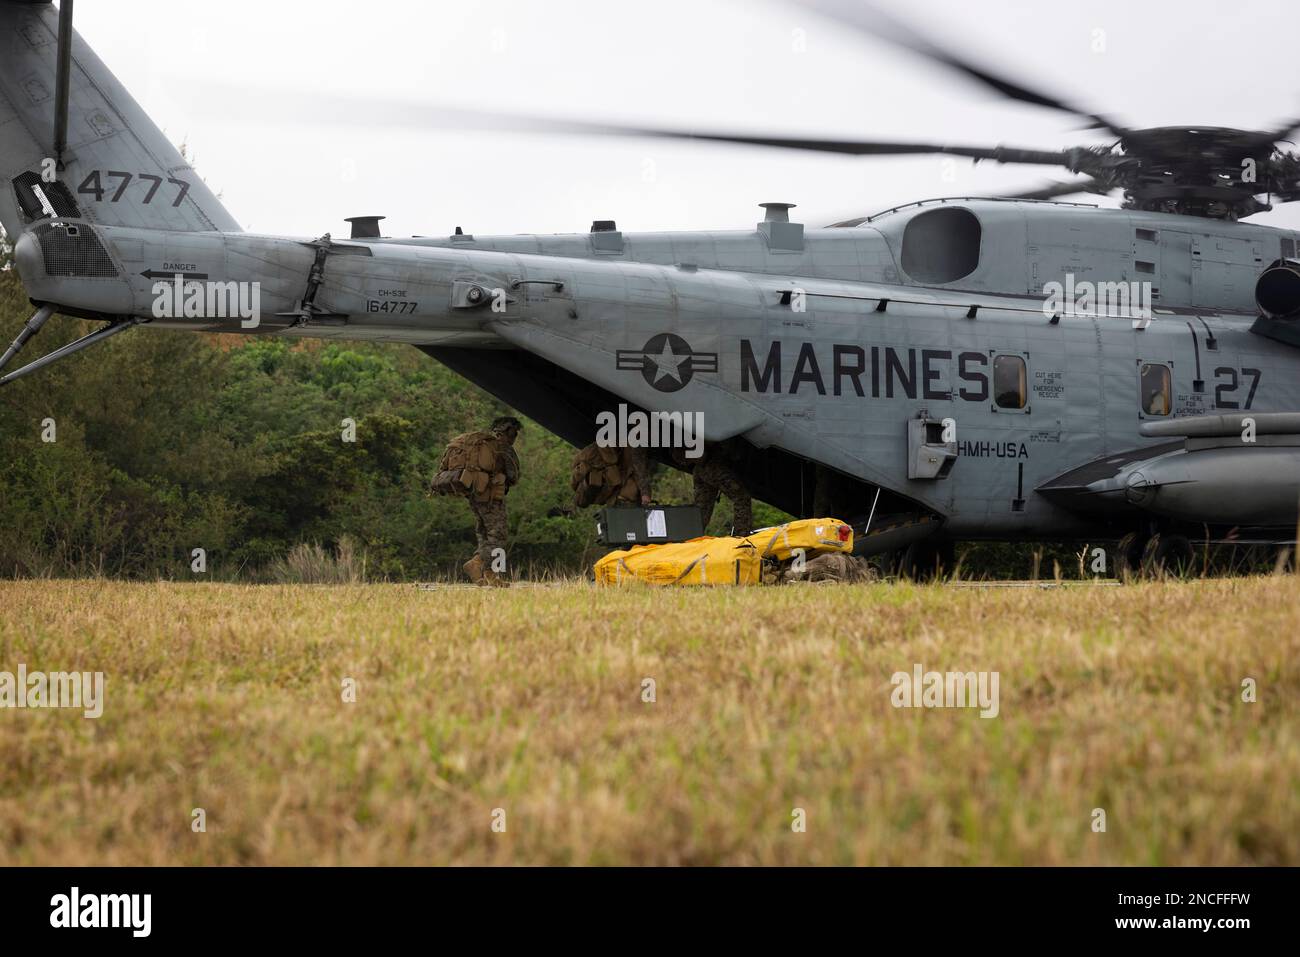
(93, 185)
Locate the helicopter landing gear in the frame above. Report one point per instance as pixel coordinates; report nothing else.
(1139, 555)
(926, 561)
(33, 326)
(1128, 555)
(1168, 554)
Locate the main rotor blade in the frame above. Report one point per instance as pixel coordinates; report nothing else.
(1284, 178)
(999, 154)
(870, 19)
(1047, 191)
(402, 113)
(1285, 131)
(1052, 190)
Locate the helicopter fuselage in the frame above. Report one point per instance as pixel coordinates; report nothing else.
(819, 350)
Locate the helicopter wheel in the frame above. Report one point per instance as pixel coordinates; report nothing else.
(1284, 558)
(926, 561)
(1128, 555)
(1167, 554)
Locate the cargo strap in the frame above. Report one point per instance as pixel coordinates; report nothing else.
(702, 561)
(782, 532)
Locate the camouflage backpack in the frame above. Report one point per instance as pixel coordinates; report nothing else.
(594, 469)
(601, 476)
(471, 467)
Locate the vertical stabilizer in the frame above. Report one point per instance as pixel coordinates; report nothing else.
(118, 169)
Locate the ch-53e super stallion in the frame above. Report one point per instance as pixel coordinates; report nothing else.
(954, 369)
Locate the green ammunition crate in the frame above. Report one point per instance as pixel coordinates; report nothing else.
(621, 526)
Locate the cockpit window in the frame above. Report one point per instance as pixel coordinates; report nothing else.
(1156, 389)
(941, 245)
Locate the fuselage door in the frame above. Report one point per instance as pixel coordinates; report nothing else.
(1224, 271)
(1173, 267)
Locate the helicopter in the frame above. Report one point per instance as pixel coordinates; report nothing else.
(1010, 368)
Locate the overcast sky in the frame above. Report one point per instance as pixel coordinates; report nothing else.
(209, 73)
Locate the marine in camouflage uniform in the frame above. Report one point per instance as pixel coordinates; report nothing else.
(483, 467)
(490, 516)
(638, 471)
(714, 476)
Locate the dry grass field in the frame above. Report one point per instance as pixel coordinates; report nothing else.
(229, 698)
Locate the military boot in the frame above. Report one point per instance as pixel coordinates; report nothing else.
(495, 579)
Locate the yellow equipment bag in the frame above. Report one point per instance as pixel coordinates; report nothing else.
(701, 561)
(813, 535)
(724, 561)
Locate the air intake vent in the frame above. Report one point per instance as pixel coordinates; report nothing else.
(70, 249)
(38, 199)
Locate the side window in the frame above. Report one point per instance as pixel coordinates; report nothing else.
(1156, 389)
(1009, 382)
